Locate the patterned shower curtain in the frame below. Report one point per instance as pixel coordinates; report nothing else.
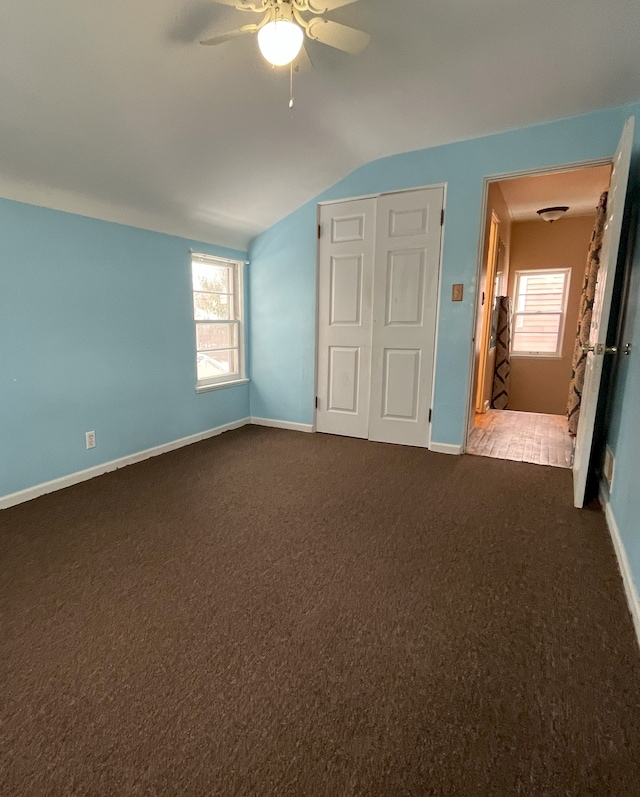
(584, 317)
(500, 392)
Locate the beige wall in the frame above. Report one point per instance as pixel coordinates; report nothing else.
(497, 205)
(542, 384)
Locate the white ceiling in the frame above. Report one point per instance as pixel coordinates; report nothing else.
(579, 189)
(112, 108)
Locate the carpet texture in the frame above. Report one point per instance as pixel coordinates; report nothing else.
(274, 613)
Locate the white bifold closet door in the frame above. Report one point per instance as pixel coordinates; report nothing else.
(345, 292)
(378, 285)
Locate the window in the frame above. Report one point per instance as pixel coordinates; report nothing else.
(218, 314)
(539, 312)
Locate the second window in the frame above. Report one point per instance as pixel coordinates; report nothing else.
(540, 307)
(217, 308)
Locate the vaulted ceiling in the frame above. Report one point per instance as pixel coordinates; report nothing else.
(113, 109)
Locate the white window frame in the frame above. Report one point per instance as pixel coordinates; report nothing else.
(563, 313)
(237, 292)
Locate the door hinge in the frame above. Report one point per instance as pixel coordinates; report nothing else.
(430, 414)
(317, 402)
(442, 217)
(319, 231)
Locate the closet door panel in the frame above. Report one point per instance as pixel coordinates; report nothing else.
(345, 285)
(405, 290)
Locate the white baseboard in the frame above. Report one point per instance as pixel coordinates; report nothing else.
(623, 563)
(445, 448)
(83, 475)
(296, 427)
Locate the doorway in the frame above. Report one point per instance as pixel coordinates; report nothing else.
(540, 277)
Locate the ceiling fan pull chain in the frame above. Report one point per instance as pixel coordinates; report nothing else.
(291, 85)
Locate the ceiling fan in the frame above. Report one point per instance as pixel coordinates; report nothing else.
(283, 27)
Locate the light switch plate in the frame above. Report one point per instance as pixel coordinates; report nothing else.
(456, 292)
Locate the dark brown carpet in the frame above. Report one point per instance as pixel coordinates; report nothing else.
(273, 613)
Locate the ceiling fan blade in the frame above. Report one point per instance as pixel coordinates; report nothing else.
(242, 5)
(321, 6)
(349, 40)
(302, 63)
(225, 37)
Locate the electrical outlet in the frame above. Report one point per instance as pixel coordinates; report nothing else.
(90, 438)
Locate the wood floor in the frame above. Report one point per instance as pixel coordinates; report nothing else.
(522, 437)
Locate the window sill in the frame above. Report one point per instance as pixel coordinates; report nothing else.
(533, 356)
(220, 385)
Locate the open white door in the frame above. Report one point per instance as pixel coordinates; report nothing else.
(601, 312)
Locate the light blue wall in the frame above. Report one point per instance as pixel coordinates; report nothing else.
(282, 319)
(284, 259)
(624, 434)
(96, 329)
(96, 333)
(284, 301)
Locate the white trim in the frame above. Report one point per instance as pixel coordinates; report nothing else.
(562, 167)
(296, 427)
(382, 193)
(473, 328)
(213, 259)
(237, 293)
(445, 448)
(535, 355)
(316, 338)
(436, 337)
(623, 562)
(488, 179)
(566, 284)
(220, 385)
(444, 186)
(98, 470)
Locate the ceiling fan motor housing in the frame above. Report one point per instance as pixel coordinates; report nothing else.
(324, 31)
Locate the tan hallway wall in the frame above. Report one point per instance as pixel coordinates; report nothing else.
(541, 384)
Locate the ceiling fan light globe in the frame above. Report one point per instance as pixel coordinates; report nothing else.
(280, 41)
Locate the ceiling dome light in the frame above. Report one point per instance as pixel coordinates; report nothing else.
(280, 41)
(552, 214)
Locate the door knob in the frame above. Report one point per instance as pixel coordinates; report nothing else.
(601, 349)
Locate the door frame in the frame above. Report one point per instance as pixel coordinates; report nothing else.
(376, 195)
(487, 305)
(494, 178)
